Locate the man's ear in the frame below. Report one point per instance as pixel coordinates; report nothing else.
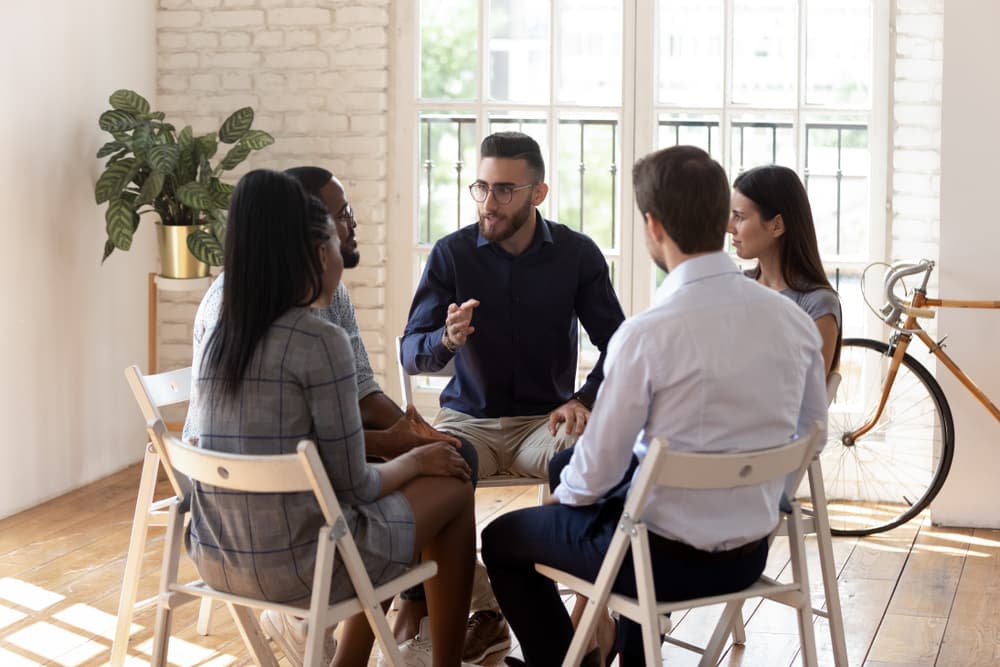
(654, 227)
(777, 225)
(539, 193)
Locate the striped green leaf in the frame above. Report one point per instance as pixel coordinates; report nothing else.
(109, 148)
(121, 223)
(207, 145)
(195, 195)
(152, 187)
(205, 247)
(109, 248)
(236, 154)
(234, 127)
(117, 121)
(114, 179)
(128, 100)
(221, 193)
(186, 137)
(257, 139)
(164, 158)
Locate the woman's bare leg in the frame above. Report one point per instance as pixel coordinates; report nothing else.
(446, 533)
(444, 515)
(355, 645)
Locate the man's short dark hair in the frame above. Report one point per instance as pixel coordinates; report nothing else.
(515, 146)
(311, 178)
(688, 192)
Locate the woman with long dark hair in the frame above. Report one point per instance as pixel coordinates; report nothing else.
(272, 374)
(772, 222)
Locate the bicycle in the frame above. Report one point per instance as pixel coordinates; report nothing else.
(891, 436)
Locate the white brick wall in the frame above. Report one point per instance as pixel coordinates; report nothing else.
(916, 127)
(316, 73)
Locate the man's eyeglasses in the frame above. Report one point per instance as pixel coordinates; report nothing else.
(503, 193)
(346, 216)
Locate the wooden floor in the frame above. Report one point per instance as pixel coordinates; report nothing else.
(920, 595)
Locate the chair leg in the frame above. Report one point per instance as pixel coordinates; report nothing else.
(804, 612)
(161, 634)
(253, 637)
(133, 561)
(205, 617)
(821, 520)
(651, 638)
(713, 650)
(739, 628)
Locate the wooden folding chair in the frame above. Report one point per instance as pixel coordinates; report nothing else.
(406, 388)
(287, 473)
(817, 522)
(690, 470)
(151, 392)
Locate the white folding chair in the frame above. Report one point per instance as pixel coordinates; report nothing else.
(406, 387)
(817, 522)
(151, 392)
(287, 473)
(693, 471)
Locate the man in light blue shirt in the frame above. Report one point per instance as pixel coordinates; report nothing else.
(718, 363)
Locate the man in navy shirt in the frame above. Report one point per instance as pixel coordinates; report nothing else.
(503, 298)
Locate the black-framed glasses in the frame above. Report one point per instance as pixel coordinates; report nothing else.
(346, 216)
(503, 193)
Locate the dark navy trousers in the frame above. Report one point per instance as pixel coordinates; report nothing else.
(575, 539)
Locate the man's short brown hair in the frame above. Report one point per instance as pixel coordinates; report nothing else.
(688, 192)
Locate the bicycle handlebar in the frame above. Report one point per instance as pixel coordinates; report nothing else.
(896, 307)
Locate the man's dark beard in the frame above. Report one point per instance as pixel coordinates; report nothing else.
(517, 220)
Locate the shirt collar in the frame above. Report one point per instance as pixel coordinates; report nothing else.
(543, 234)
(694, 270)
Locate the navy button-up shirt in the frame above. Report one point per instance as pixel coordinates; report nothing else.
(521, 359)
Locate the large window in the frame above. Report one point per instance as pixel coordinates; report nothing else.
(600, 82)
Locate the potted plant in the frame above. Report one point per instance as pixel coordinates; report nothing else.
(153, 167)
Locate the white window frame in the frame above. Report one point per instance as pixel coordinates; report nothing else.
(637, 133)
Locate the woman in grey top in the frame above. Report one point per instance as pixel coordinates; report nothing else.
(772, 222)
(273, 374)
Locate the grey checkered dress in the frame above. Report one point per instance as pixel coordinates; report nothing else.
(300, 384)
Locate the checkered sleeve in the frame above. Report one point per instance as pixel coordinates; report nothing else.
(332, 393)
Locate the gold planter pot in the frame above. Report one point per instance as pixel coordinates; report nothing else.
(176, 261)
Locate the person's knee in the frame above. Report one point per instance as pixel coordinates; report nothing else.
(496, 538)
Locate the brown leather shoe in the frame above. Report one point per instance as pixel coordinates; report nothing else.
(486, 632)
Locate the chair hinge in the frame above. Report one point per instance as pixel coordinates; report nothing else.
(339, 528)
(627, 524)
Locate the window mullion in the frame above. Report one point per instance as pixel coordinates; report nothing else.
(725, 131)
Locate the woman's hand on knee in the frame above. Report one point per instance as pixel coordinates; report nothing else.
(440, 459)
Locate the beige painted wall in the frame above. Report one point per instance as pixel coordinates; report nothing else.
(968, 268)
(69, 324)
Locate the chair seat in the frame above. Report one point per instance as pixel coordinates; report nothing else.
(335, 613)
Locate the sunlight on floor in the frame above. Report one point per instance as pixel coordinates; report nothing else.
(185, 654)
(50, 641)
(964, 539)
(27, 595)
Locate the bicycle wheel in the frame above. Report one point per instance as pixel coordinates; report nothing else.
(891, 473)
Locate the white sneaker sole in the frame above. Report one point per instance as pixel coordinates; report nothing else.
(278, 637)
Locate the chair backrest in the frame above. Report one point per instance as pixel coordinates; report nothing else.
(153, 392)
(709, 470)
(301, 472)
(406, 380)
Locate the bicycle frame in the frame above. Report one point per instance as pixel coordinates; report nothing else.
(920, 305)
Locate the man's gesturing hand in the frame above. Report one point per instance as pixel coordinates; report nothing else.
(458, 325)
